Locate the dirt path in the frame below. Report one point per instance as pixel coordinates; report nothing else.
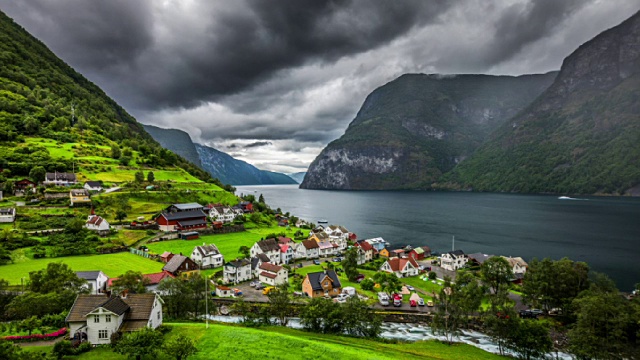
(40, 343)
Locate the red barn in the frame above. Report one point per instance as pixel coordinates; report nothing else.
(420, 253)
(183, 220)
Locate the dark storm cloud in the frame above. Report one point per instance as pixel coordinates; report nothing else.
(258, 143)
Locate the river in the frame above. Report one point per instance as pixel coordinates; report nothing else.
(602, 231)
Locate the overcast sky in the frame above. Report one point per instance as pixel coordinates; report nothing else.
(272, 82)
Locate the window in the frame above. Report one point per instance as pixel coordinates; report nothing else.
(96, 319)
(107, 318)
(103, 334)
(158, 315)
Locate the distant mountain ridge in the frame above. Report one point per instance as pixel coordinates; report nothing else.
(298, 177)
(237, 172)
(581, 136)
(177, 141)
(417, 127)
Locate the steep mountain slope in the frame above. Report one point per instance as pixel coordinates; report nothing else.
(582, 135)
(175, 140)
(417, 127)
(237, 172)
(298, 177)
(51, 116)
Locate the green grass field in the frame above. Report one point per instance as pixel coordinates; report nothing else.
(111, 264)
(223, 341)
(228, 244)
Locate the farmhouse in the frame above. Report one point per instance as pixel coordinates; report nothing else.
(268, 247)
(221, 213)
(237, 271)
(24, 185)
(93, 186)
(322, 283)
(518, 265)
(453, 260)
(179, 264)
(273, 274)
(60, 179)
(95, 318)
(401, 267)
(96, 280)
(182, 220)
(79, 196)
(97, 224)
(208, 256)
(420, 252)
(184, 207)
(7, 215)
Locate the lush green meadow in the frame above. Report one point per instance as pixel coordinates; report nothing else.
(222, 341)
(112, 265)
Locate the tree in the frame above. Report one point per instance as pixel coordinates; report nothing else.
(550, 284)
(180, 347)
(367, 284)
(139, 176)
(500, 325)
(530, 339)
(467, 294)
(388, 282)
(31, 125)
(139, 343)
(280, 304)
(132, 281)
(359, 319)
(55, 278)
(150, 177)
(37, 174)
(496, 273)
(245, 251)
(447, 319)
(125, 160)
(350, 264)
(121, 215)
(115, 152)
(261, 199)
(74, 226)
(8, 187)
(30, 324)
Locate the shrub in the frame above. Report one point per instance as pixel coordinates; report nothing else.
(367, 284)
(432, 275)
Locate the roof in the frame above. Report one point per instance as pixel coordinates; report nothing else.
(397, 264)
(310, 244)
(284, 240)
(254, 262)
(325, 245)
(364, 245)
(95, 220)
(270, 267)
(93, 183)
(183, 215)
(79, 192)
(516, 260)
(88, 275)
(398, 251)
(207, 250)
(239, 263)
(153, 279)
(192, 222)
(284, 248)
(263, 257)
(7, 211)
(418, 250)
(268, 245)
(316, 277)
(174, 264)
(456, 253)
(166, 254)
(268, 274)
(322, 235)
(479, 257)
(60, 176)
(222, 287)
(339, 227)
(137, 306)
(188, 206)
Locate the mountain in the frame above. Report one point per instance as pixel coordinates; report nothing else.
(417, 127)
(298, 177)
(237, 172)
(177, 141)
(581, 136)
(52, 116)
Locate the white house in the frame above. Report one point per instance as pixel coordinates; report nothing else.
(223, 291)
(453, 260)
(222, 213)
(256, 261)
(287, 254)
(7, 215)
(518, 265)
(97, 224)
(273, 274)
(268, 247)
(96, 280)
(93, 186)
(401, 267)
(237, 271)
(337, 231)
(326, 248)
(307, 249)
(95, 318)
(208, 256)
(60, 179)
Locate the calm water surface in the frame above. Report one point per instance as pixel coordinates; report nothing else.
(603, 231)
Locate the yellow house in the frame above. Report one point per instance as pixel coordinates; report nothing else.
(78, 196)
(384, 253)
(322, 283)
(319, 236)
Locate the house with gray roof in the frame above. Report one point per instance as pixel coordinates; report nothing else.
(237, 271)
(179, 264)
(95, 318)
(96, 280)
(268, 247)
(453, 260)
(322, 283)
(208, 256)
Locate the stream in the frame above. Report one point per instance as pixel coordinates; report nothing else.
(411, 332)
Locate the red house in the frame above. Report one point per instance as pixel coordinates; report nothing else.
(183, 220)
(24, 184)
(420, 253)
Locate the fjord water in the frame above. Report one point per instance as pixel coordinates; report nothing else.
(603, 231)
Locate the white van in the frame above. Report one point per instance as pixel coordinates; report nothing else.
(383, 298)
(351, 291)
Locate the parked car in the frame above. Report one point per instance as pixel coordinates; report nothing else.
(413, 303)
(259, 286)
(336, 259)
(316, 262)
(397, 300)
(341, 298)
(298, 293)
(421, 302)
(383, 298)
(299, 265)
(237, 292)
(410, 288)
(528, 314)
(430, 303)
(267, 290)
(359, 278)
(254, 283)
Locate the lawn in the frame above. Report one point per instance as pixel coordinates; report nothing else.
(117, 174)
(228, 244)
(223, 341)
(112, 265)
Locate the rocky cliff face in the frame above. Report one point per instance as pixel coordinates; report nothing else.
(414, 129)
(175, 140)
(582, 135)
